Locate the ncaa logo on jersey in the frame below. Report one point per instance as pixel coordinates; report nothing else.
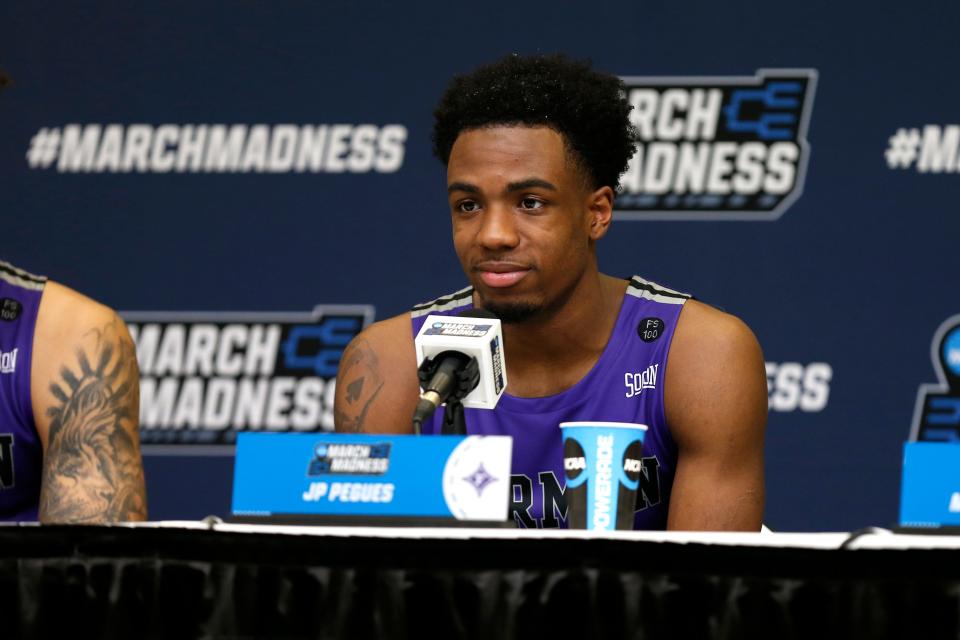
(717, 147)
(937, 413)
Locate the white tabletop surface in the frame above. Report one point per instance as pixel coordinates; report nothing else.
(876, 539)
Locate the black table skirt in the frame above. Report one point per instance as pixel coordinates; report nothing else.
(117, 582)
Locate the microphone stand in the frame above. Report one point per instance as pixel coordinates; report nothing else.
(465, 381)
(454, 422)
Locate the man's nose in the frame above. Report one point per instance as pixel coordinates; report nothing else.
(498, 228)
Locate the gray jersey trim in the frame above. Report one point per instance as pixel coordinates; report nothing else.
(640, 288)
(443, 303)
(20, 278)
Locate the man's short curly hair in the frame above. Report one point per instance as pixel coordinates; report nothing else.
(588, 108)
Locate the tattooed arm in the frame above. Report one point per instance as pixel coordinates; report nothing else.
(86, 399)
(377, 387)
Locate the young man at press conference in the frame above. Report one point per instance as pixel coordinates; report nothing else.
(534, 149)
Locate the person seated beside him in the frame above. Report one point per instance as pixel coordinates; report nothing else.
(69, 405)
(534, 149)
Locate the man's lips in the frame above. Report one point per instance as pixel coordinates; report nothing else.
(501, 274)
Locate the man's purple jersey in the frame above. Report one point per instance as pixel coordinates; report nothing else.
(21, 453)
(625, 385)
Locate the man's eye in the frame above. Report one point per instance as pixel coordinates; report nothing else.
(531, 203)
(467, 206)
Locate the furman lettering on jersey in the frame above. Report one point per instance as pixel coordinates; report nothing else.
(550, 495)
(6, 461)
(8, 361)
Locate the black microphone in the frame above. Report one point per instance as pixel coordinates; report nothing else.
(450, 375)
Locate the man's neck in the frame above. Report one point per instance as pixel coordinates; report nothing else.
(551, 353)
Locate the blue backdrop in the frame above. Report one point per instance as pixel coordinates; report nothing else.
(844, 290)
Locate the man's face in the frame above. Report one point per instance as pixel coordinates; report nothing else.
(522, 222)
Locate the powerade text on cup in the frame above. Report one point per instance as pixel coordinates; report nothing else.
(601, 461)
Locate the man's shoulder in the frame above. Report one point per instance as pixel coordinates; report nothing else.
(377, 383)
(702, 326)
(69, 322)
(389, 329)
(714, 358)
(77, 341)
(394, 335)
(64, 311)
(389, 341)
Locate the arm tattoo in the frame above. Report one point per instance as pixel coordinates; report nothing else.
(92, 466)
(360, 376)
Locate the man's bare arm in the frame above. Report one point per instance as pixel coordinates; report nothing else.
(377, 386)
(359, 382)
(85, 384)
(716, 405)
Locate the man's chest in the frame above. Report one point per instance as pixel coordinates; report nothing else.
(546, 377)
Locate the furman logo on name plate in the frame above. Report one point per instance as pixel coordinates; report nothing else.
(476, 478)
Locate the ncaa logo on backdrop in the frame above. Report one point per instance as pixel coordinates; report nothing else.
(937, 413)
(719, 147)
(206, 376)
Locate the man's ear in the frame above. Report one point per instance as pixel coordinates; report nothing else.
(600, 211)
